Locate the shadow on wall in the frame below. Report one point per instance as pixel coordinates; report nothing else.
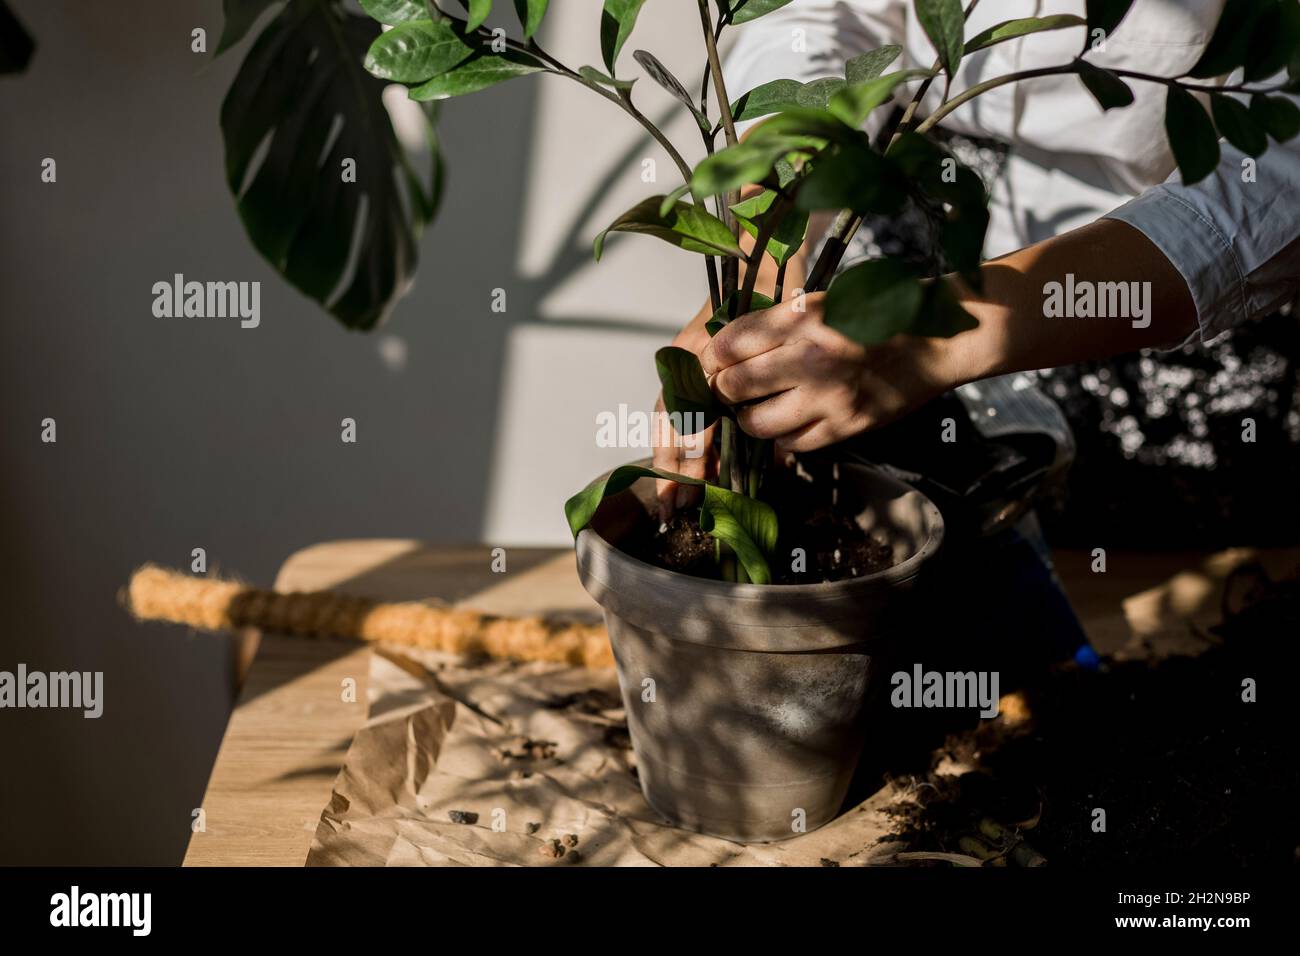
(177, 434)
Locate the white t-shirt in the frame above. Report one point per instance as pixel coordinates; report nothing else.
(1233, 238)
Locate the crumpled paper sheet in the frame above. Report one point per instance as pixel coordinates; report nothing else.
(539, 752)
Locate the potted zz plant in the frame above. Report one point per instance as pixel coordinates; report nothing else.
(746, 662)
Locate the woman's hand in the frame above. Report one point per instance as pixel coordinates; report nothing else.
(794, 380)
(805, 385)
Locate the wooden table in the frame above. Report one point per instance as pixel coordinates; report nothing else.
(291, 726)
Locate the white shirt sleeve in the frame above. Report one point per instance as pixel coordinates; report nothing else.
(1234, 236)
(810, 39)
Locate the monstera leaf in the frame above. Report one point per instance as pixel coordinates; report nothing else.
(300, 105)
(16, 45)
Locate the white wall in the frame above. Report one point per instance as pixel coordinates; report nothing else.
(175, 434)
(601, 323)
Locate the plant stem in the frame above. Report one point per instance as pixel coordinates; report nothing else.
(710, 262)
(842, 230)
(715, 293)
(704, 80)
(973, 91)
(770, 221)
(726, 560)
(624, 101)
(757, 465)
(731, 268)
(724, 455)
(715, 69)
(1199, 87)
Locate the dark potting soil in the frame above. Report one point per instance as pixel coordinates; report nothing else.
(835, 548)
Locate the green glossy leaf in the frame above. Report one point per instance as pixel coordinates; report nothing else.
(413, 52)
(954, 195)
(944, 23)
(916, 155)
(750, 161)
(748, 525)
(668, 202)
(784, 173)
(1274, 41)
(870, 65)
(593, 75)
(755, 206)
(1106, 88)
(17, 45)
(853, 104)
(1192, 136)
(742, 11)
(582, 507)
(686, 225)
(685, 390)
(530, 15)
(808, 123)
(617, 19)
(1011, 29)
(852, 177)
(1236, 124)
(874, 301)
(941, 315)
(479, 72)
(1106, 15)
(965, 227)
(664, 77)
(922, 160)
(768, 98)
(789, 233)
(1277, 114)
(393, 12)
(1229, 45)
(816, 94)
(238, 17)
(477, 11)
(722, 315)
(298, 106)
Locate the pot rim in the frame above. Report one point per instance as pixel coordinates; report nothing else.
(588, 537)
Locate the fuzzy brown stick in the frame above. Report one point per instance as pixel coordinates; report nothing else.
(159, 594)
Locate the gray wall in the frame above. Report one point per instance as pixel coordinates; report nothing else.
(183, 433)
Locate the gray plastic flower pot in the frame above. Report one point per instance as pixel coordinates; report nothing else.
(745, 702)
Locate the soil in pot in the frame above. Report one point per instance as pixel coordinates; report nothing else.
(836, 547)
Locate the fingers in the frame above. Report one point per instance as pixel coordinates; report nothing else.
(802, 419)
(771, 372)
(777, 416)
(748, 336)
(690, 456)
(814, 435)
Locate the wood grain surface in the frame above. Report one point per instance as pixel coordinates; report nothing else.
(290, 729)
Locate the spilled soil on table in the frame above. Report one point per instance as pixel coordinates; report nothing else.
(1186, 771)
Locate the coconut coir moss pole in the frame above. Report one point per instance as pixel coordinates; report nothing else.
(211, 604)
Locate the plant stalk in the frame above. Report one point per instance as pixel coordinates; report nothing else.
(755, 259)
(731, 268)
